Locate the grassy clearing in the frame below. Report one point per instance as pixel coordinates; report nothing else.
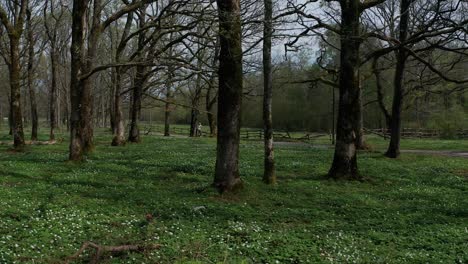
(412, 210)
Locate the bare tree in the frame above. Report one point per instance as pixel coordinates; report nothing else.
(53, 22)
(30, 76)
(83, 68)
(14, 25)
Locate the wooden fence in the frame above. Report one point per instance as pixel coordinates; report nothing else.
(258, 134)
(417, 133)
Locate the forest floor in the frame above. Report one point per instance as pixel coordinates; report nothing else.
(410, 210)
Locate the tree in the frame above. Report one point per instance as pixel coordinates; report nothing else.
(30, 76)
(138, 82)
(117, 118)
(83, 69)
(402, 55)
(230, 73)
(53, 23)
(422, 29)
(344, 164)
(77, 49)
(269, 175)
(14, 29)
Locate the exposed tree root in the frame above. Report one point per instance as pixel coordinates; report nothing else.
(100, 250)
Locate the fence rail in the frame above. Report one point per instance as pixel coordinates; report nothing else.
(258, 134)
(417, 133)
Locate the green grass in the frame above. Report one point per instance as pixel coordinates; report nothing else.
(412, 210)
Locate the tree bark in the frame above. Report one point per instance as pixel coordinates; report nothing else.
(15, 30)
(15, 79)
(53, 94)
(134, 134)
(30, 79)
(211, 100)
(139, 82)
(195, 102)
(360, 136)
(380, 95)
(167, 112)
(118, 126)
(269, 175)
(76, 152)
(345, 160)
(393, 150)
(227, 176)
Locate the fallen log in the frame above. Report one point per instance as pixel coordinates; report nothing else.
(100, 250)
(38, 143)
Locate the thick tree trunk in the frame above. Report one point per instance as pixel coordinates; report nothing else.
(398, 93)
(269, 175)
(76, 86)
(15, 86)
(345, 160)
(227, 176)
(30, 80)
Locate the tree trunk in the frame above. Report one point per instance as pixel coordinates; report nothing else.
(119, 127)
(227, 176)
(210, 103)
(15, 86)
(134, 134)
(76, 86)
(193, 121)
(87, 98)
(30, 79)
(10, 116)
(167, 112)
(345, 160)
(53, 94)
(360, 136)
(380, 95)
(139, 82)
(393, 150)
(269, 176)
(195, 112)
(210, 100)
(111, 109)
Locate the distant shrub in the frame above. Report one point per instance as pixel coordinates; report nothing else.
(449, 122)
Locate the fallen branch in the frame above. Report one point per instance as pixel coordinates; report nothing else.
(100, 250)
(53, 142)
